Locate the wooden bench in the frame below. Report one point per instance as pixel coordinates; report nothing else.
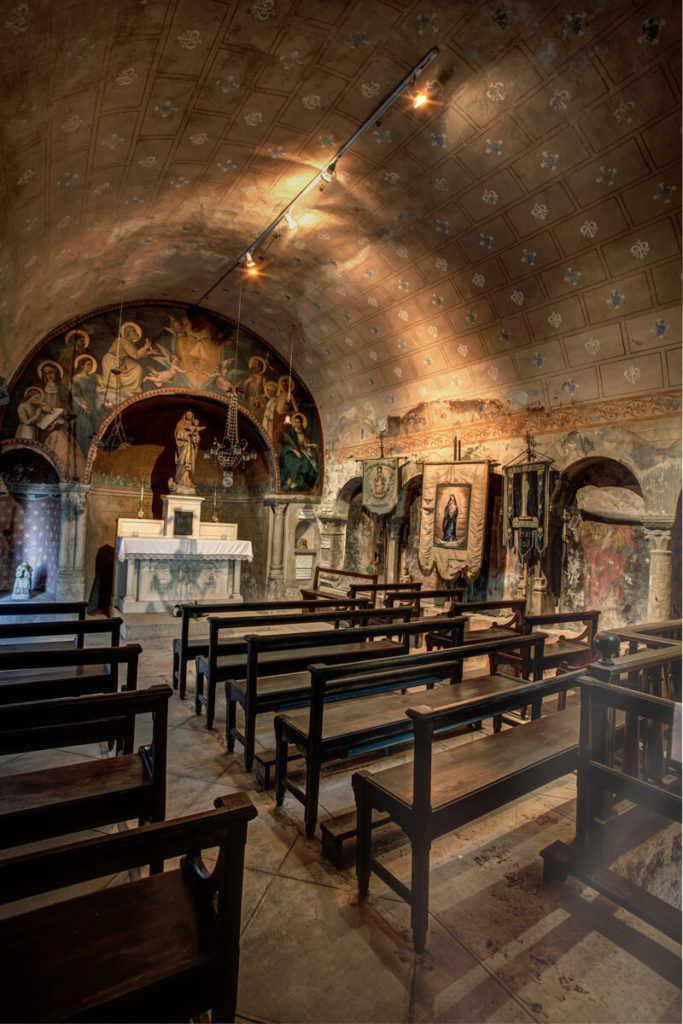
(210, 662)
(515, 607)
(354, 709)
(634, 776)
(443, 790)
(380, 590)
(331, 583)
(88, 793)
(45, 634)
(185, 650)
(42, 675)
(650, 634)
(155, 949)
(275, 675)
(565, 651)
(416, 597)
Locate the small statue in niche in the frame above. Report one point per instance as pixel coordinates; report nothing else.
(22, 582)
(187, 437)
(303, 544)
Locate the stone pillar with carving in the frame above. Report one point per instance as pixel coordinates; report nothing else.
(658, 536)
(393, 567)
(332, 539)
(72, 537)
(275, 585)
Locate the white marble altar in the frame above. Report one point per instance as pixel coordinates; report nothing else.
(158, 567)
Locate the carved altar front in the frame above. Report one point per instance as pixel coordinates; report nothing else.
(158, 567)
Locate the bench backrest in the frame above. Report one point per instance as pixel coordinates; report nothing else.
(188, 612)
(69, 661)
(74, 721)
(34, 608)
(416, 597)
(378, 589)
(79, 627)
(588, 617)
(337, 580)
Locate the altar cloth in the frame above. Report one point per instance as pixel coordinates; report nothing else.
(196, 548)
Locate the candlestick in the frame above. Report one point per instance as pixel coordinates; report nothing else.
(214, 517)
(141, 507)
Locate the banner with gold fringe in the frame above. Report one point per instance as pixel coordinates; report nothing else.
(453, 519)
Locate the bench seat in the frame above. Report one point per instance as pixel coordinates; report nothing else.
(460, 775)
(79, 929)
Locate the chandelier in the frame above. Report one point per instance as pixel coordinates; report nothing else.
(231, 452)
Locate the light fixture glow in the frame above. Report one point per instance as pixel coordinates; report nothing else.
(419, 100)
(249, 260)
(291, 223)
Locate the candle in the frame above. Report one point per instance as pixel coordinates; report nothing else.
(142, 492)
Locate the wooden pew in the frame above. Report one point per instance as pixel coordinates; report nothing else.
(415, 598)
(155, 949)
(567, 651)
(42, 675)
(495, 631)
(275, 675)
(49, 632)
(45, 610)
(185, 650)
(355, 708)
(220, 655)
(440, 791)
(634, 780)
(328, 582)
(650, 634)
(88, 793)
(381, 589)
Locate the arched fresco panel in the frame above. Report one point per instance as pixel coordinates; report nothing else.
(82, 371)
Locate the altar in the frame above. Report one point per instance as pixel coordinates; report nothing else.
(177, 559)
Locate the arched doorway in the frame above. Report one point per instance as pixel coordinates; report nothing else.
(597, 553)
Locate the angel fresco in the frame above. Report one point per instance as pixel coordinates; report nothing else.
(170, 372)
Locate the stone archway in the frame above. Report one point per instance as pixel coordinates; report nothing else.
(597, 553)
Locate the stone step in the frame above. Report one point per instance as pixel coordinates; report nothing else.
(143, 625)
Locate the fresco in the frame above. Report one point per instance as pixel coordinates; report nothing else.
(81, 373)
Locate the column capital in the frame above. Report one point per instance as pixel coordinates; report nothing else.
(278, 505)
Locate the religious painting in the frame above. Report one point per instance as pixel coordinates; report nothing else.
(453, 519)
(81, 373)
(452, 515)
(380, 485)
(526, 500)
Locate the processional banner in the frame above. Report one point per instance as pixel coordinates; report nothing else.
(380, 485)
(453, 518)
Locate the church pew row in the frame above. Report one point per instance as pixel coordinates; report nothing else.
(235, 626)
(274, 675)
(513, 624)
(326, 582)
(47, 674)
(574, 650)
(355, 709)
(440, 791)
(185, 650)
(87, 793)
(613, 779)
(154, 949)
(46, 635)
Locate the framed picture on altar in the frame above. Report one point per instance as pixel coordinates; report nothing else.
(182, 523)
(452, 515)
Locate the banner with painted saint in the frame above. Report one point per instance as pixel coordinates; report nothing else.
(453, 519)
(380, 485)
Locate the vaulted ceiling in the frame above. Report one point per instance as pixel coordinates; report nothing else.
(517, 237)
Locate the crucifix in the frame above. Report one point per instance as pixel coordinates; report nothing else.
(381, 435)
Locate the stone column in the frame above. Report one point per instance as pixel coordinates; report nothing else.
(393, 568)
(275, 585)
(332, 538)
(72, 536)
(658, 536)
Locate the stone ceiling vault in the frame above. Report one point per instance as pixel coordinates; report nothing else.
(517, 238)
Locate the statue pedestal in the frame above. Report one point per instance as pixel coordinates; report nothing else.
(181, 515)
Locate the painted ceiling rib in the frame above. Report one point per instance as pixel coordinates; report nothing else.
(327, 172)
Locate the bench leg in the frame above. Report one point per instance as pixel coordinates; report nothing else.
(198, 692)
(182, 679)
(230, 718)
(419, 886)
(363, 836)
(281, 754)
(176, 671)
(313, 767)
(210, 702)
(249, 738)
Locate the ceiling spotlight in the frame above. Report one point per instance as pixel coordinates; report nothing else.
(291, 223)
(419, 100)
(249, 260)
(326, 175)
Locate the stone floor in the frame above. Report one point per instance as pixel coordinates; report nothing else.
(501, 946)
